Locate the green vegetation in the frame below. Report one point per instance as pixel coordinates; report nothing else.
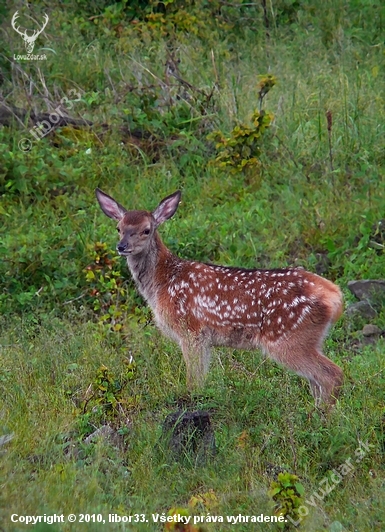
(270, 117)
(287, 492)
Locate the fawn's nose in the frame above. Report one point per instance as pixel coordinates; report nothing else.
(121, 248)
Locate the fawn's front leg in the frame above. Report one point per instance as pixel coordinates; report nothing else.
(196, 354)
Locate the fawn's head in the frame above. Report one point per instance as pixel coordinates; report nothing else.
(136, 228)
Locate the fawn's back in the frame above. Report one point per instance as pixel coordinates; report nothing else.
(286, 312)
(245, 308)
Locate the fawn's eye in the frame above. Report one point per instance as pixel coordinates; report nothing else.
(146, 232)
(118, 230)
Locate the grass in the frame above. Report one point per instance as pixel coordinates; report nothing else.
(260, 415)
(296, 210)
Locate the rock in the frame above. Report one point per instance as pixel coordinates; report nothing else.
(363, 308)
(189, 434)
(368, 288)
(336, 526)
(6, 438)
(105, 433)
(273, 470)
(371, 330)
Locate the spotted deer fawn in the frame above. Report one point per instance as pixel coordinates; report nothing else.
(285, 312)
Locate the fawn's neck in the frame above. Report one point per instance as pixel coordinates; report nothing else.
(146, 268)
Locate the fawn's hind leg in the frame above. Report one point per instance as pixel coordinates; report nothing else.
(325, 377)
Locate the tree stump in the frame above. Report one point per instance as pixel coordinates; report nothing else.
(189, 435)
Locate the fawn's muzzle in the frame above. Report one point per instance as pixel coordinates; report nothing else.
(122, 249)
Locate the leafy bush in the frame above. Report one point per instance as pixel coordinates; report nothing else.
(239, 152)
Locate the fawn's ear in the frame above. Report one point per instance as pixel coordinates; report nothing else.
(167, 207)
(109, 206)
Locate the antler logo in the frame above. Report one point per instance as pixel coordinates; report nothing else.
(28, 39)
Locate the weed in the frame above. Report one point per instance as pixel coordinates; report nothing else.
(287, 493)
(240, 151)
(105, 396)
